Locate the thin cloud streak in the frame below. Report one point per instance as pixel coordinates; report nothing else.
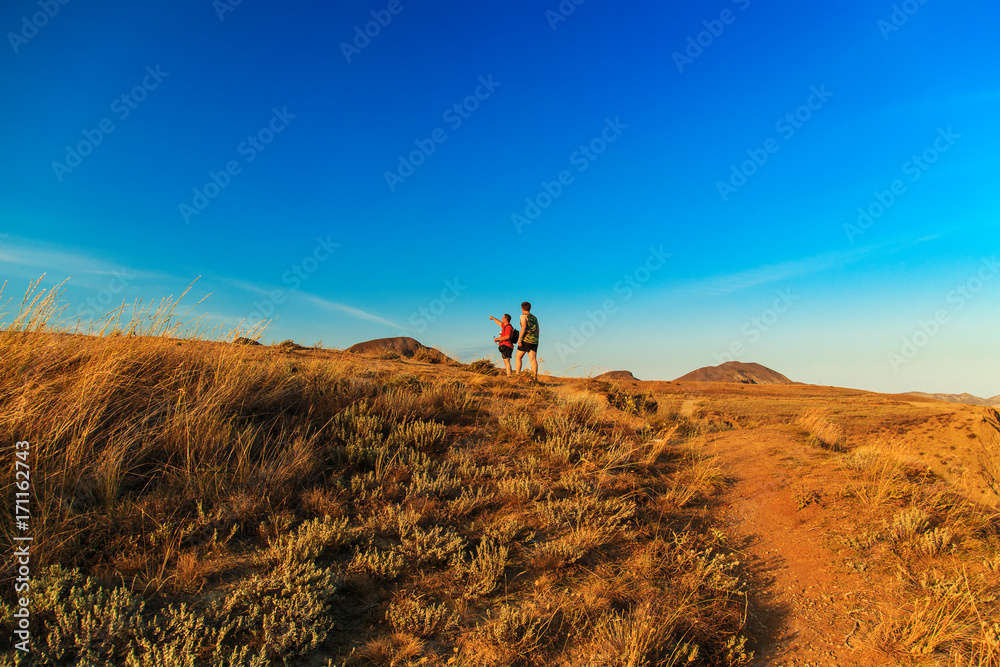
(67, 262)
(314, 301)
(349, 310)
(783, 271)
(771, 273)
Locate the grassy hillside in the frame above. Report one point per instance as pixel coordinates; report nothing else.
(205, 503)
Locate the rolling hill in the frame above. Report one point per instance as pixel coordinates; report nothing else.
(966, 399)
(736, 371)
(403, 345)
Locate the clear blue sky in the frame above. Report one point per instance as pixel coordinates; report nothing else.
(258, 146)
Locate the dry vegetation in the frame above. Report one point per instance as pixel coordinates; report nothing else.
(206, 503)
(938, 555)
(929, 552)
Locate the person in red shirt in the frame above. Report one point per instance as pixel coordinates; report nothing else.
(503, 340)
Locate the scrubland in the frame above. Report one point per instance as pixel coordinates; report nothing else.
(195, 502)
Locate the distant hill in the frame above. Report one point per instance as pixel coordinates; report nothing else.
(736, 371)
(617, 375)
(404, 345)
(967, 399)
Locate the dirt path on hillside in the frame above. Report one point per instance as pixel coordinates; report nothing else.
(782, 507)
(688, 407)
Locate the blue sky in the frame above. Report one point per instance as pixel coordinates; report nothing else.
(667, 183)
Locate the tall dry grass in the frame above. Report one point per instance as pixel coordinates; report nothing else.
(821, 430)
(989, 454)
(940, 549)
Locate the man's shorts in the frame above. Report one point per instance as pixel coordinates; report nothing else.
(506, 350)
(528, 347)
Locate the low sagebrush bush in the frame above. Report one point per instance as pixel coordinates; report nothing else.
(86, 622)
(284, 612)
(485, 568)
(184, 636)
(518, 424)
(632, 404)
(434, 546)
(935, 541)
(311, 539)
(385, 563)
(505, 636)
(910, 523)
(420, 617)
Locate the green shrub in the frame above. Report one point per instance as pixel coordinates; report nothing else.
(284, 612)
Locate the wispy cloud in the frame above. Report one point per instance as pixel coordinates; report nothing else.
(239, 284)
(308, 300)
(780, 272)
(35, 259)
(790, 270)
(348, 310)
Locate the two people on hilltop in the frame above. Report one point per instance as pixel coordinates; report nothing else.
(528, 340)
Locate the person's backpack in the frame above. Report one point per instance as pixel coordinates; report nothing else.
(514, 333)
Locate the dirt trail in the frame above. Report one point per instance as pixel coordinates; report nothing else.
(783, 509)
(688, 407)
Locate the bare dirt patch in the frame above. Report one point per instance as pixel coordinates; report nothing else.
(782, 508)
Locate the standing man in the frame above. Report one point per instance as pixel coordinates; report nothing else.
(503, 342)
(529, 339)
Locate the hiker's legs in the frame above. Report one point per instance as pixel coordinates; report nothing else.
(517, 364)
(505, 352)
(533, 358)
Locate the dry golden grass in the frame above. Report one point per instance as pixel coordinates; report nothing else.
(821, 431)
(989, 456)
(942, 549)
(245, 505)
